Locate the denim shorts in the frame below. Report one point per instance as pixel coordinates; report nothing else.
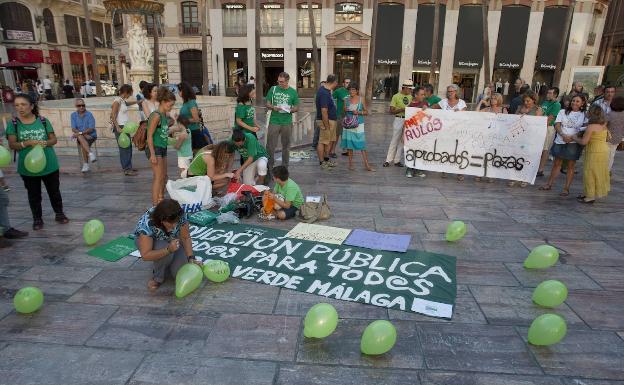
(159, 152)
(290, 212)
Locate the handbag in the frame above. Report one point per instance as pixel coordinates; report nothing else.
(310, 212)
(350, 121)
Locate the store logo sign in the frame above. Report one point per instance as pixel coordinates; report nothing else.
(508, 65)
(19, 35)
(548, 66)
(271, 6)
(468, 64)
(272, 55)
(306, 72)
(387, 61)
(424, 62)
(349, 8)
(233, 6)
(237, 71)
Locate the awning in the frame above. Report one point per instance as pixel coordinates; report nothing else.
(388, 43)
(512, 34)
(424, 34)
(25, 55)
(551, 37)
(469, 43)
(17, 65)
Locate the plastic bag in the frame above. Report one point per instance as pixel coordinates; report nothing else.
(225, 200)
(228, 217)
(192, 201)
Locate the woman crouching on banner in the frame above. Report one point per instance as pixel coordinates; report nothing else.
(215, 161)
(529, 107)
(569, 122)
(163, 237)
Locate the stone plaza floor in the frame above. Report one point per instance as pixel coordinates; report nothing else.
(100, 325)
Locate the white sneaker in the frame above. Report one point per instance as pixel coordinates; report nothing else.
(92, 157)
(85, 167)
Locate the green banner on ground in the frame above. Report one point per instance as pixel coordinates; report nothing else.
(414, 281)
(114, 250)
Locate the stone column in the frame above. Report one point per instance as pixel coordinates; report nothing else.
(532, 43)
(409, 38)
(448, 50)
(215, 18)
(494, 18)
(327, 55)
(290, 44)
(251, 41)
(581, 23)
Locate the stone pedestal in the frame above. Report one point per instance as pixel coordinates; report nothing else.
(136, 76)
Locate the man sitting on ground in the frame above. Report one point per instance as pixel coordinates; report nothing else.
(83, 128)
(254, 156)
(286, 207)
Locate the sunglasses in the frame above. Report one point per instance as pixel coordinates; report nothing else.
(80, 105)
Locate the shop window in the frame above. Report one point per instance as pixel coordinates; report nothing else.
(350, 13)
(48, 22)
(113, 68)
(102, 67)
(77, 75)
(303, 19)
(16, 22)
(71, 30)
(272, 19)
(234, 20)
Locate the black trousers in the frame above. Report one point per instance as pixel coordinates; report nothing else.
(52, 185)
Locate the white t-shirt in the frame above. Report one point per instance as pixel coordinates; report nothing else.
(444, 105)
(47, 84)
(571, 124)
(122, 114)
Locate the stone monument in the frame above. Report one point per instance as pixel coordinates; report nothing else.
(139, 52)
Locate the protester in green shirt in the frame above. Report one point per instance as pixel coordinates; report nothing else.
(254, 167)
(339, 95)
(24, 133)
(157, 137)
(245, 114)
(397, 107)
(551, 107)
(190, 116)
(282, 101)
(430, 96)
(290, 196)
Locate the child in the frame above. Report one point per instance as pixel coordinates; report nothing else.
(183, 148)
(286, 207)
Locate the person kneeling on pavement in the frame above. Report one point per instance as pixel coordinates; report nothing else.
(162, 236)
(254, 156)
(287, 195)
(6, 231)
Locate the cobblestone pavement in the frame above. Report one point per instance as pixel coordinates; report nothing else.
(100, 325)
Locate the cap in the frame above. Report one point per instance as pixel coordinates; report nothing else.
(408, 83)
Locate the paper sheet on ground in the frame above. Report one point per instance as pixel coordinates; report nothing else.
(319, 233)
(114, 250)
(378, 241)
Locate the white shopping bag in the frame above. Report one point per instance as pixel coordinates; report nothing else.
(193, 194)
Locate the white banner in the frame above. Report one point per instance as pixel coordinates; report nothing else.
(474, 143)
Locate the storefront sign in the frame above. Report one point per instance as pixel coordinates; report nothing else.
(388, 45)
(55, 57)
(474, 143)
(305, 6)
(272, 6)
(551, 37)
(76, 58)
(512, 37)
(233, 6)
(387, 61)
(469, 44)
(424, 34)
(349, 8)
(272, 55)
(25, 55)
(547, 67)
(19, 35)
(237, 71)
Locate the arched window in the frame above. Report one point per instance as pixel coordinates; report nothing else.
(190, 18)
(16, 22)
(48, 22)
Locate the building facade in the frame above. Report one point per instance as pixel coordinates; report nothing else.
(612, 44)
(51, 36)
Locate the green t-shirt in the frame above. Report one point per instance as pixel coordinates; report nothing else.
(247, 113)
(278, 96)
(400, 101)
(185, 112)
(161, 134)
(252, 148)
(551, 108)
(34, 131)
(433, 99)
(186, 151)
(339, 95)
(291, 192)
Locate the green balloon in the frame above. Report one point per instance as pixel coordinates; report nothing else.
(35, 160)
(547, 329)
(216, 270)
(320, 321)
(28, 300)
(550, 293)
(123, 140)
(541, 257)
(130, 128)
(455, 231)
(92, 231)
(5, 157)
(378, 338)
(188, 279)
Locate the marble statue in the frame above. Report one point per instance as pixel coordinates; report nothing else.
(139, 48)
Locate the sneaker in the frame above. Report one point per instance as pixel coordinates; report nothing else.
(331, 163)
(5, 243)
(130, 173)
(325, 166)
(14, 234)
(409, 173)
(37, 224)
(61, 218)
(85, 167)
(419, 174)
(7, 188)
(92, 157)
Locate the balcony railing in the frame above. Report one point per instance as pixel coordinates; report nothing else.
(190, 29)
(591, 39)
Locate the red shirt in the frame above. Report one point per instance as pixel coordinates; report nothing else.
(422, 104)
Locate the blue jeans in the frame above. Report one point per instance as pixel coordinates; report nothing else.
(125, 154)
(4, 211)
